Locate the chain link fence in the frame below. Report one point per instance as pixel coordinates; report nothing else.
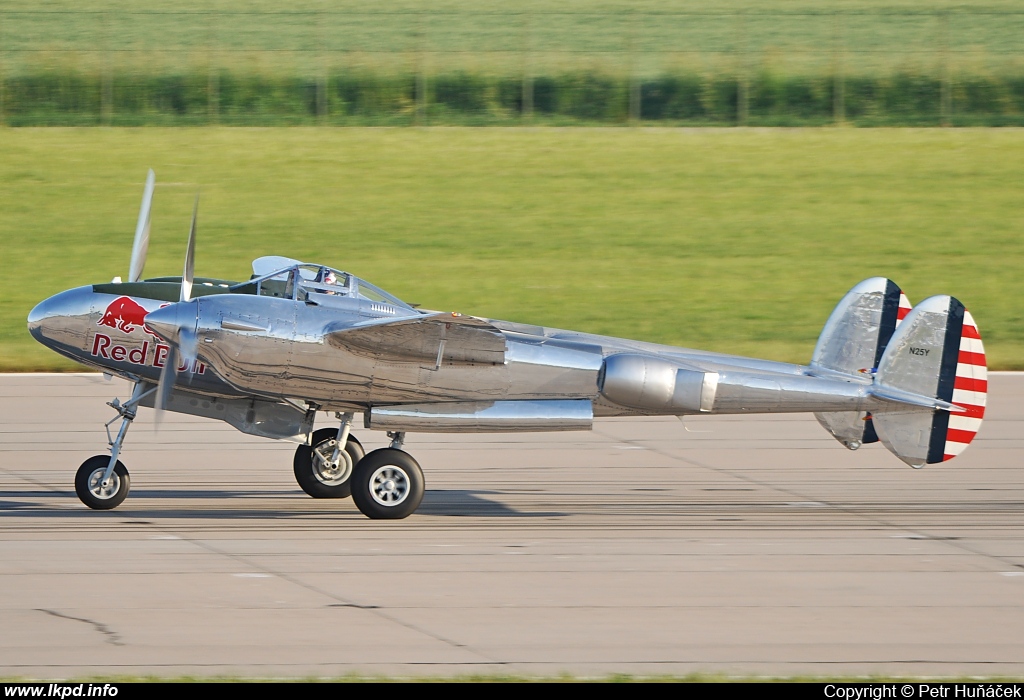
(267, 68)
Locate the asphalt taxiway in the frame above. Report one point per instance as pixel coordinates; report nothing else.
(747, 546)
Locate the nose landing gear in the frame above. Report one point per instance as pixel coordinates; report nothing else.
(102, 482)
(100, 492)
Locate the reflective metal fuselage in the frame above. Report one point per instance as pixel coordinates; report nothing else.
(288, 353)
(276, 348)
(287, 349)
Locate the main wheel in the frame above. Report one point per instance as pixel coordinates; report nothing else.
(89, 483)
(387, 484)
(318, 473)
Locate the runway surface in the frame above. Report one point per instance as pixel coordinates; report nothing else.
(743, 546)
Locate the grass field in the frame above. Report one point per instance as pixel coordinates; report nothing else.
(481, 25)
(732, 240)
(619, 35)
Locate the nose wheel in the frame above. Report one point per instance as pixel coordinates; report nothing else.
(99, 493)
(387, 484)
(102, 482)
(323, 470)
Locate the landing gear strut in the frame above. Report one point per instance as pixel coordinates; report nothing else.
(324, 467)
(102, 482)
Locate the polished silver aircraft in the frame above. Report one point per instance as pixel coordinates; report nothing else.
(268, 353)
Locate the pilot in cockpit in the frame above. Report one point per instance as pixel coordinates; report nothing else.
(327, 277)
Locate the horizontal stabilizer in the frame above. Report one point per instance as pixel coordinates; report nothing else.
(905, 397)
(434, 339)
(852, 342)
(936, 355)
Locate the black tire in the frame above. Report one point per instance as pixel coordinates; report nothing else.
(387, 484)
(89, 490)
(317, 481)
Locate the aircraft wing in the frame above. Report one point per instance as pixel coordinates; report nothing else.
(434, 338)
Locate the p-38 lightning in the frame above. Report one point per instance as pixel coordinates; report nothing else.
(268, 353)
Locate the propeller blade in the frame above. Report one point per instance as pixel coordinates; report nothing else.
(141, 245)
(176, 324)
(189, 346)
(190, 257)
(166, 385)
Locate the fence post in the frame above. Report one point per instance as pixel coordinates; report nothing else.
(420, 118)
(634, 78)
(839, 75)
(742, 89)
(527, 107)
(213, 78)
(946, 89)
(321, 83)
(3, 75)
(106, 79)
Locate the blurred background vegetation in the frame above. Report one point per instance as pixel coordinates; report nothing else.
(461, 62)
(736, 240)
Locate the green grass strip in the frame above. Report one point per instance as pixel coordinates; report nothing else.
(735, 240)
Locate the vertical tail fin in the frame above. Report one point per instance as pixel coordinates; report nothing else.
(938, 353)
(852, 343)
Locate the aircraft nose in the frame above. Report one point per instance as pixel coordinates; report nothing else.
(39, 313)
(168, 322)
(57, 318)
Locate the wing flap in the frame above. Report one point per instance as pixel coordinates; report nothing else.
(433, 339)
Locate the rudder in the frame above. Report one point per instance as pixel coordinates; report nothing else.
(936, 353)
(852, 343)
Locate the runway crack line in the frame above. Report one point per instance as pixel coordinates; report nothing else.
(341, 601)
(112, 637)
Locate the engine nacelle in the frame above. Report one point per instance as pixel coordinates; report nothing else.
(652, 384)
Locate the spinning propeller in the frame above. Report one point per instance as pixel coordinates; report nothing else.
(141, 245)
(176, 323)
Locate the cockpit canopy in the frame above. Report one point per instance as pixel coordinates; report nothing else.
(284, 277)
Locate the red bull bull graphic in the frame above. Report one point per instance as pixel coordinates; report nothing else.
(125, 314)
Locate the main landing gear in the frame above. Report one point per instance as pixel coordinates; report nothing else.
(324, 467)
(102, 482)
(386, 484)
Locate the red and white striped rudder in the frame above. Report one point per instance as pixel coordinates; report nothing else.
(935, 352)
(970, 390)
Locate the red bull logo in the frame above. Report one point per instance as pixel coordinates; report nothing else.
(125, 314)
